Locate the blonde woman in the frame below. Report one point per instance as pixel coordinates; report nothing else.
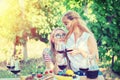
(80, 39)
(50, 55)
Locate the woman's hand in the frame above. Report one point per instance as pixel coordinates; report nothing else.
(75, 51)
(78, 51)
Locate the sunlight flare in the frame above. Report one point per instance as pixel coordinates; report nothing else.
(4, 6)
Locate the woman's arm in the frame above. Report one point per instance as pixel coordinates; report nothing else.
(47, 59)
(92, 45)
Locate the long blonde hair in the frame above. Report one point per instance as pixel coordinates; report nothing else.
(72, 15)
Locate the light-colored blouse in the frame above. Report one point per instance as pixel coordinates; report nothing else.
(77, 61)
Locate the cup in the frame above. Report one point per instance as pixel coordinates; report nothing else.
(92, 74)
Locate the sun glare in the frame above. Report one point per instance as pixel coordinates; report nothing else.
(4, 6)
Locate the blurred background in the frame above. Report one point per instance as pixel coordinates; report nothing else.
(25, 26)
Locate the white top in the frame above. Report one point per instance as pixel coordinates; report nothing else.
(78, 60)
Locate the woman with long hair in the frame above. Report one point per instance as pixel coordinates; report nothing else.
(51, 55)
(80, 39)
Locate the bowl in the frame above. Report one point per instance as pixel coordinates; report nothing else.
(92, 74)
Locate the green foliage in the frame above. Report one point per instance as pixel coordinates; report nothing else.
(44, 15)
(108, 27)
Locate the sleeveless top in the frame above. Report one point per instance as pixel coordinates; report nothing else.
(77, 61)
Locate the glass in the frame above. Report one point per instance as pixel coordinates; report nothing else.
(60, 47)
(92, 73)
(10, 67)
(10, 64)
(16, 70)
(85, 66)
(62, 64)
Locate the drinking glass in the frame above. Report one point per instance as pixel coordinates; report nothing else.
(15, 72)
(10, 64)
(62, 64)
(92, 62)
(60, 47)
(84, 67)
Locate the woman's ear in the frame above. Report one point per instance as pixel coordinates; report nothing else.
(52, 40)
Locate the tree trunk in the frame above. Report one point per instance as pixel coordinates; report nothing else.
(25, 55)
(14, 50)
(112, 61)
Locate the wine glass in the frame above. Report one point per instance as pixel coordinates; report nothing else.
(10, 64)
(84, 67)
(10, 67)
(60, 47)
(62, 64)
(16, 70)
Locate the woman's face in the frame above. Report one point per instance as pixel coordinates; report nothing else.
(67, 23)
(59, 36)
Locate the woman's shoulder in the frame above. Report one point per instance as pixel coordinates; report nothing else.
(85, 35)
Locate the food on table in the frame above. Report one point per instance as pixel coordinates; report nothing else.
(70, 72)
(30, 78)
(46, 72)
(39, 75)
(51, 71)
(63, 77)
(69, 75)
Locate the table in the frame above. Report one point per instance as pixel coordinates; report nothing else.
(100, 77)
